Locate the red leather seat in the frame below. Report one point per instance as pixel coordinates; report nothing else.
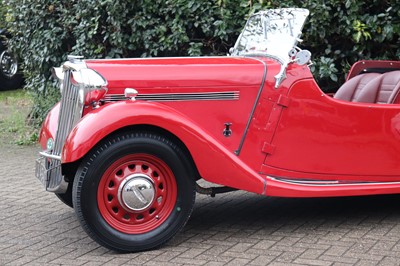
(371, 88)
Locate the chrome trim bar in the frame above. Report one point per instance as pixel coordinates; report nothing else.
(165, 97)
(50, 156)
(324, 183)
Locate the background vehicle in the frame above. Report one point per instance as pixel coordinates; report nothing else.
(130, 138)
(10, 77)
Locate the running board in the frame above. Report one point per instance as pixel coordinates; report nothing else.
(292, 188)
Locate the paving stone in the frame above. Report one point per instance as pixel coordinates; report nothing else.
(312, 262)
(191, 253)
(262, 260)
(156, 263)
(264, 244)
(236, 228)
(7, 258)
(390, 261)
(338, 259)
(240, 247)
(336, 251)
(188, 261)
(238, 261)
(288, 256)
(312, 253)
(219, 258)
(241, 255)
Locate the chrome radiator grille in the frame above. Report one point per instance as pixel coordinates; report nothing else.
(78, 82)
(70, 113)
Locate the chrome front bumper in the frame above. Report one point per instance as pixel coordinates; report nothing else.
(48, 171)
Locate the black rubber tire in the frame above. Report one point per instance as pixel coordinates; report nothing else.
(10, 82)
(66, 197)
(96, 163)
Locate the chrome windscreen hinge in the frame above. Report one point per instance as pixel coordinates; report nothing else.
(283, 100)
(268, 148)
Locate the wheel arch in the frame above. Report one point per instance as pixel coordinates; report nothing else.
(69, 169)
(203, 149)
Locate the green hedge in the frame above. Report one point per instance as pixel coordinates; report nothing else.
(338, 33)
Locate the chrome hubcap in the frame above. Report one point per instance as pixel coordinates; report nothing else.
(136, 192)
(8, 64)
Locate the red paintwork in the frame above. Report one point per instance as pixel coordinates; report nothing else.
(297, 132)
(205, 149)
(187, 74)
(203, 74)
(267, 114)
(137, 222)
(357, 141)
(49, 126)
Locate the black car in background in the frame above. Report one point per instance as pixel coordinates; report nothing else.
(10, 76)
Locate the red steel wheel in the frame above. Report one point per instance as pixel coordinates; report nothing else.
(137, 193)
(134, 191)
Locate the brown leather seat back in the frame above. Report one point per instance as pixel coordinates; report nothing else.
(351, 90)
(371, 88)
(392, 80)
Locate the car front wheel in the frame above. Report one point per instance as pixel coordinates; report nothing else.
(10, 78)
(134, 191)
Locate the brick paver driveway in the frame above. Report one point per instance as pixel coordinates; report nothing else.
(233, 229)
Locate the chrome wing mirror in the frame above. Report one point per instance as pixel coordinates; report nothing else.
(302, 57)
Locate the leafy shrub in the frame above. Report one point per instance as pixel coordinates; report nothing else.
(338, 32)
(45, 32)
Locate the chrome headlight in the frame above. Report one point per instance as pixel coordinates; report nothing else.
(92, 86)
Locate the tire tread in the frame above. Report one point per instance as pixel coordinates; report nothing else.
(90, 160)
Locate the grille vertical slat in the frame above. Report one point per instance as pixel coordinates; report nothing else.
(63, 116)
(68, 117)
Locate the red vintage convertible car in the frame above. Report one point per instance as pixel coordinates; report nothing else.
(130, 138)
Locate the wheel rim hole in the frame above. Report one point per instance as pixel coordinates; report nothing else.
(111, 184)
(139, 217)
(161, 186)
(131, 166)
(110, 197)
(159, 199)
(119, 173)
(126, 216)
(155, 174)
(152, 210)
(115, 209)
(145, 167)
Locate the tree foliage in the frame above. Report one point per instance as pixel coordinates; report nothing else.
(338, 32)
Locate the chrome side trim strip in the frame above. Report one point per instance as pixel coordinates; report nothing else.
(168, 97)
(324, 183)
